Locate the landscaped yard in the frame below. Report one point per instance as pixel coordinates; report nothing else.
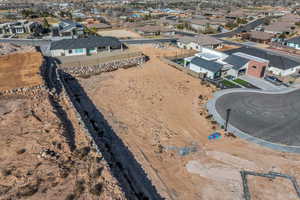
(229, 84)
(179, 61)
(245, 83)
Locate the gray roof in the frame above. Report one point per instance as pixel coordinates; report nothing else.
(276, 61)
(209, 65)
(237, 61)
(90, 42)
(295, 40)
(68, 25)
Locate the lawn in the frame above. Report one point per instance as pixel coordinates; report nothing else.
(179, 61)
(244, 83)
(229, 84)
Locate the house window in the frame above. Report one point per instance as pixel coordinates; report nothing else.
(70, 51)
(78, 51)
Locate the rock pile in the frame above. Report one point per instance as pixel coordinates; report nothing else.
(8, 48)
(31, 91)
(104, 67)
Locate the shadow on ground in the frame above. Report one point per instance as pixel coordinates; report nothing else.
(125, 168)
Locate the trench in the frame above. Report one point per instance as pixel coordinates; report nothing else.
(124, 167)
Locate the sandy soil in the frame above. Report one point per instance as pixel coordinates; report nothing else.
(7, 48)
(259, 188)
(156, 110)
(121, 33)
(35, 157)
(20, 70)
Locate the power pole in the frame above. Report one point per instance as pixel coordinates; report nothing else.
(227, 118)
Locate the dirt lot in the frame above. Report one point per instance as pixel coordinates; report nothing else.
(121, 33)
(35, 157)
(156, 110)
(20, 70)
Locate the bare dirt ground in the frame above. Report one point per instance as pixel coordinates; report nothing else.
(35, 157)
(7, 48)
(119, 33)
(20, 70)
(157, 110)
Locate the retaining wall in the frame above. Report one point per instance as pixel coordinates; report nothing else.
(104, 67)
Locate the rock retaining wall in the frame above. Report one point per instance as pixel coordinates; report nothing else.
(30, 91)
(104, 67)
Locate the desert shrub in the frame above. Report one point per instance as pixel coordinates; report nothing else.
(70, 197)
(6, 172)
(98, 172)
(28, 190)
(83, 152)
(21, 151)
(96, 189)
(79, 187)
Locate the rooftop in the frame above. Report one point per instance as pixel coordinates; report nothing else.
(236, 61)
(295, 40)
(201, 39)
(250, 57)
(90, 42)
(277, 61)
(209, 65)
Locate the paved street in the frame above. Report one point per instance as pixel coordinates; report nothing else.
(272, 117)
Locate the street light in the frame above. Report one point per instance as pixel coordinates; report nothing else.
(228, 110)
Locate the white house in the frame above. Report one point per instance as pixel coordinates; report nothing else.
(199, 42)
(84, 46)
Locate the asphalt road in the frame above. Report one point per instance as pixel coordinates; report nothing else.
(272, 117)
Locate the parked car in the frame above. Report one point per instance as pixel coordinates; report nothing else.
(273, 80)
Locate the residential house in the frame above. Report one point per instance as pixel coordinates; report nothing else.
(18, 27)
(84, 46)
(212, 69)
(208, 63)
(294, 42)
(258, 36)
(198, 42)
(280, 28)
(236, 14)
(278, 65)
(245, 64)
(213, 64)
(199, 24)
(68, 29)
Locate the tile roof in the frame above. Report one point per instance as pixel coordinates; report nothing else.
(279, 27)
(209, 65)
(90, 42)
(276, 61)
(260, 35)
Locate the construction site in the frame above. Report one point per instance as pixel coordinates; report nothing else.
(137, 130)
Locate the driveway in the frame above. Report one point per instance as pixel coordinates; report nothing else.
(262, 83)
